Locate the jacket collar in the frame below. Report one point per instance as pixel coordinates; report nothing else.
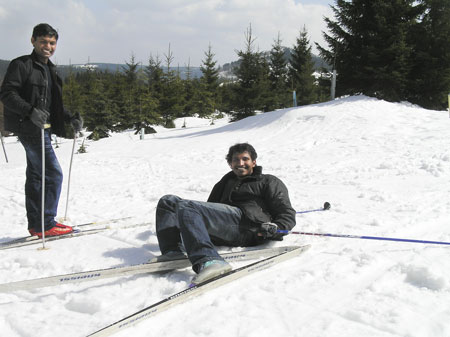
(35, 59)
(257, 171)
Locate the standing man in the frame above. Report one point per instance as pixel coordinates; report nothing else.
(32, 96)
(245, 208)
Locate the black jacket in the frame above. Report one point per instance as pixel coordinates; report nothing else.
(24, 88)
(261, 198)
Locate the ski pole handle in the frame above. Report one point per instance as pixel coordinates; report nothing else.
(326, 207)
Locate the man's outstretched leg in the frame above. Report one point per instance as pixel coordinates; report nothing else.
(191, 223)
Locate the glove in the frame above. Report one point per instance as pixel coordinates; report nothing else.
(268, 230)
(77, 122)
(39, 117)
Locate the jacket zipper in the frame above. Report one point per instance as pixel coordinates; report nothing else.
(44, 99)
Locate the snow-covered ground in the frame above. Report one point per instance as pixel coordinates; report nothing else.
(384, 167)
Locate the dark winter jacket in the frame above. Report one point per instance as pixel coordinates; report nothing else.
(261, 198)
(24, 88)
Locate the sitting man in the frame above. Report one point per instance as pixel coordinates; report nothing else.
(245, 208)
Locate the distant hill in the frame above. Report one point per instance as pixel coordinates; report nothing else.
(114, 67)
(226, 69)
(63, 70)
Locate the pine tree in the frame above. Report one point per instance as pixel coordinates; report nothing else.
(146, 113)
(172, 96)
(154, 74)
(72, 93)
(210, 71)
(208, 86)
(430, 74)
(252, 74)
(226, 93)
(139, 110)
(115, 88)
(368, 46)
(98, 116)
(190, 89)
(301, 69)
(130, 113)
(278, 75)
(72, 97)
(131, 70)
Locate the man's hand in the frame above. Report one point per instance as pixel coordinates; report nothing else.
(39, 117)
(268, 230)
(77, 122)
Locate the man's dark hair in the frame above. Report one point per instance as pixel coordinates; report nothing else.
(241, 148)
(44, 29)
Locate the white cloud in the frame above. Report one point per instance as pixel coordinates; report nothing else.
(110, 30)
(3, 13)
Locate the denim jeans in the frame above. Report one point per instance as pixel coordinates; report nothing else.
(33, 183)
(196, 224)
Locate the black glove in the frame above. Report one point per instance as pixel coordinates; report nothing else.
(77, 122)
(39, 117)
(268, 230)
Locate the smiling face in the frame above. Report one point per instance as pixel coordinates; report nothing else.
(44, 46)
(242, 164)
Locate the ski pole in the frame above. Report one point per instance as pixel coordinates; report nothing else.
(70, 173)
(46, 126)
(3, 145)
(365, 237)
(326, 206)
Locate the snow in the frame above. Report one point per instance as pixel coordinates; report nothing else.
(384, 167)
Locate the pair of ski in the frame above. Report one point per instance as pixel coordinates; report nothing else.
(78, 230)
(195, 290)
(273, 256)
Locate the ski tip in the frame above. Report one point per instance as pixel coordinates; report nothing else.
(326, 206)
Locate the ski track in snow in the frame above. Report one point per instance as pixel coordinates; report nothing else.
(384, 167)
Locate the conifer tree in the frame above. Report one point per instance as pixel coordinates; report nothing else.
(98, 116)
(210, 71)
(72, 96)
(252, 70)
(171, 100)
(278, 75)
(72, 92)
(206, 100)
(226, 93)
(190, 89)
(130, 112)
(139, 108)
(115, 87)
(146, 113)
(131, 70)
(430, 74)
(301, 69)
(154, 74)
(369, 48)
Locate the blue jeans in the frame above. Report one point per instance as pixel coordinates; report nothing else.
(196, 224)
(33, 183)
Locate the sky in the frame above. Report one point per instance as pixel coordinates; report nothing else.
(111, 31)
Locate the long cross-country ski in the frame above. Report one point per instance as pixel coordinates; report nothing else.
(150, 267)
(196, 290)
(79, 230)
